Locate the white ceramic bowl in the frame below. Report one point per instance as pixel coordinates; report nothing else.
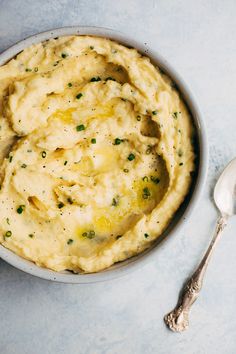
(186, 208)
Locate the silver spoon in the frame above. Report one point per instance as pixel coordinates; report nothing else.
(225, 200)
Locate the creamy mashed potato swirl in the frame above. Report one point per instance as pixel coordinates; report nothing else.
(96, 153)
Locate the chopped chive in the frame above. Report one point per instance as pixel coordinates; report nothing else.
(65, 163)
(126, 170)
(146, 235)
(94, 79)
(8, 221)
(28, 70)
(90, 234)
(155, 180)
(64, 55)
(91, 47)
(43, 154)
(8, 233)
(31, 235)
(146, 193)
(115, 201)
(20, 209)
(118, 141)
(80, 127)
(138, 118)
(70, 241)
(93, 141)
(10, 158)
(131, 157)
(154, 113)
(180, 153)
(23, 165)
(175, 115)
(69, 84)
(36, 69)
(145, 178)
(79, 96)
(60, 205)
(181, 164)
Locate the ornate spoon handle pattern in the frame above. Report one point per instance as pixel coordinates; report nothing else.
(178, 319)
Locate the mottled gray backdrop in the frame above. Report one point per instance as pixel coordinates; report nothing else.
(125, 315)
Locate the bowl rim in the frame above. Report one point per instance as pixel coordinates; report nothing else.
(144, 257)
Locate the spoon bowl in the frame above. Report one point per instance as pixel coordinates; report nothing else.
(225, 190)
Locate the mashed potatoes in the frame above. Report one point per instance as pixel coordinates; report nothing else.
(95, 151)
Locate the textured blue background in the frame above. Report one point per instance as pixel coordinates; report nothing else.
(125, 315)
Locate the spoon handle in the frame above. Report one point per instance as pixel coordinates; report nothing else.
(177, 320)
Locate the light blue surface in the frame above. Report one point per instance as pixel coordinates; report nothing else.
(125, 315)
